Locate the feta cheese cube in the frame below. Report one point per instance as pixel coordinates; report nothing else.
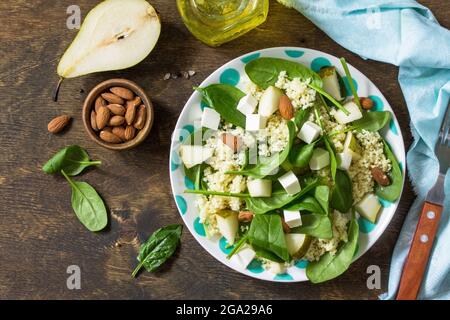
(255, 122)
(320, 159)
(260, 188)
(344, 160)
(309, 132)
(247, 104)
(193, 155)
(269, 102)
(292, 218)
(354, 113)
(245, 255)
(290, 183)
(210, 119)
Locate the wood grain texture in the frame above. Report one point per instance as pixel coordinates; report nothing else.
(40, 235)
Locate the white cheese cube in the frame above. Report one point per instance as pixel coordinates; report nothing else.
(210, 119)
(247, 104)
(290, 183)
(344, 160)
(292, 218)
(309, 132)
(269, 102)
(255, 122)
(354, 113)
(245, 255)
(259, 188)
(193, 155)
(369, 207)
(320, 159)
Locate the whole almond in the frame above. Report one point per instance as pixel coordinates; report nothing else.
(233, 142)
(100, 102)
(286, 108)
(120, 132)
(366, 103)
(109, 129)
(130, 114)
(136, 102)
(112, 98)
(109, 137)
(286, 227)
(94, 120)
(102, 118)
(115, 121)
(380, 177)
(141, 117)
(122, 92)
(130, 132)
(117, 109)
(58, 124)
(245, 216)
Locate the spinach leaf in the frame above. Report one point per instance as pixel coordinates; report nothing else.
(372, 121)
(301, 116)
(307, 204)
(315, 225)
(342, 198)
(322, 195)
(266, 254)
(333, 161)
(268, 165)
(266, 231)
(330, 266)
(301, 154)
(393, 191)
(158, 248)
(72, 159)
(238, 246)
(277, 200)
(217, 193)
(350, 83)
(87, 205)
(224, 98)
(264, 71)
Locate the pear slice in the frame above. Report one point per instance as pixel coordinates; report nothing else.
(228, 224)
(116, 34)
(297, 244)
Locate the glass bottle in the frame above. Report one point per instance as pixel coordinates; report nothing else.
(218, 21)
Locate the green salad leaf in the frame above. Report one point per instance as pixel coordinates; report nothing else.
(301, 116)
(333, 161)
(372, 121)
(264, 71)
(315, 225)
(224, 98)
(393, 191)
(350, 83)
(322, 195)
(72, 159)
(301, 154)
(342, 198)
(307, 204)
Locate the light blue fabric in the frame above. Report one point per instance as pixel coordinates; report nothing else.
(406, 34)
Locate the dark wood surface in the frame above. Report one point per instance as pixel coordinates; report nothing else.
(40, 235)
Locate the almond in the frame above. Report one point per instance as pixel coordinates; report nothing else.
(122, 92)
(102, 118)
(94, 120)
(120, 132)
(233, 142)
(366, 103)
(115, 121)
(136, 101)
(141, 117)
(286, 108)
(130, 132)
(286, 227)
(116, 109)
(245, 216)
(130, 115)
(58, 124)
(380, 177)
(109, 129)
(100, 102)
(109, 137)
(112, 98)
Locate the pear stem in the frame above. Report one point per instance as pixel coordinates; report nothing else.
(56, 91)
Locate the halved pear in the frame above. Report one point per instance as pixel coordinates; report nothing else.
(116, 34)
(228, 224)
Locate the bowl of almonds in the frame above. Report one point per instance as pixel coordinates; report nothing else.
(117, 114)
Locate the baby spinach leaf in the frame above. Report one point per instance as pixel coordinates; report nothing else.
(264, 71)
(87, 205)
(330, 266)
(301, 116)
(301, 154)
(224, 98)
(277, 200)
(333, 161)
(72, 159)
(266, 254)
(322, 195)
(393, 191)
(342, 198)
(158, 248)
(307, 204)
(372, 121)
(266, 231)
(350, 82)
(268, 165)
(238, 246)
(315, 225)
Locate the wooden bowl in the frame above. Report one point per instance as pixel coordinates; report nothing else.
(89, 104)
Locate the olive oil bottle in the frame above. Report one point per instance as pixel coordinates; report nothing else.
(218, 21)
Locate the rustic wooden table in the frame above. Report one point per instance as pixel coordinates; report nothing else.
(39, 234)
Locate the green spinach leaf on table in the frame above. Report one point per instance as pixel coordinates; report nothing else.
(393, 191)
(159, 247)
(342, 198)
(72, 159)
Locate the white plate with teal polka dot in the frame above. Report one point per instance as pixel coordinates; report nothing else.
(233, 73)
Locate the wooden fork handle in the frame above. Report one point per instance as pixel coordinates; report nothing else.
(419, 253)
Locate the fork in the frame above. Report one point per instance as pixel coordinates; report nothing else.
(427, 226)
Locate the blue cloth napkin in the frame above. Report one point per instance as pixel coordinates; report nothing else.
(406, 34)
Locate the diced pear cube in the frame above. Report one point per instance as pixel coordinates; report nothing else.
(193, 155)
(247, 104)
(260, 188)
(309, 132)
(228, 224)
(255, 122)
(290, 182)
(320, 159)
(292, 218)
(330, 82)
(354, 113)
(245, 255)
(369, 207)
(210, 119)
(352, 146)
(344, 160)
(270, 99)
